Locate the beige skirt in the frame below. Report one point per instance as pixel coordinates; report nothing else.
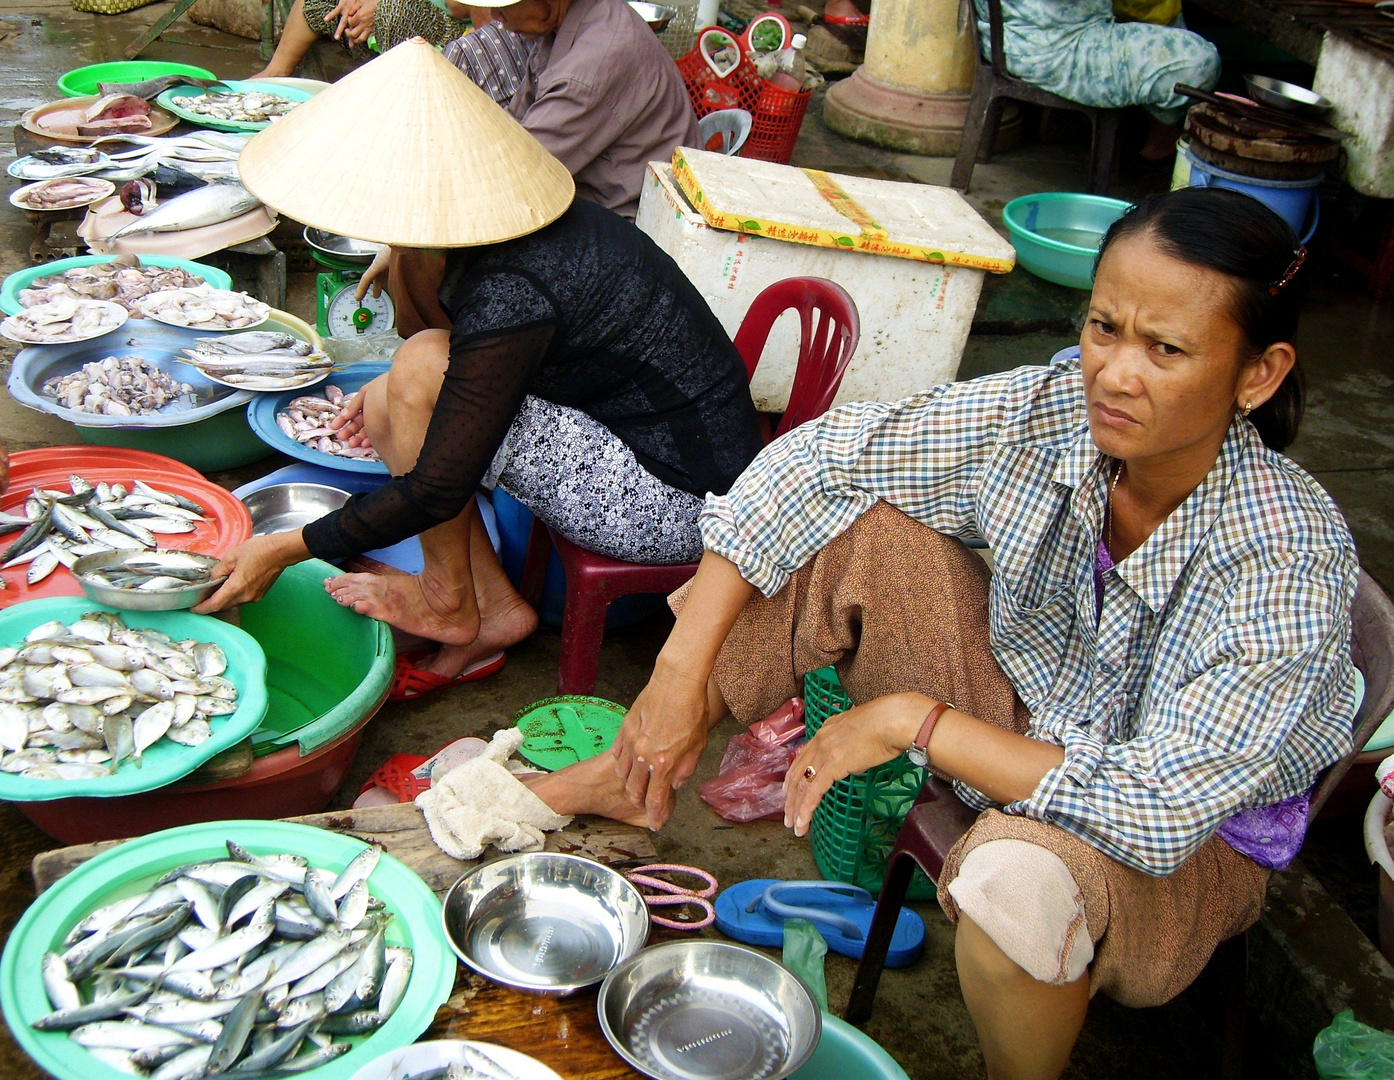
(898, 607)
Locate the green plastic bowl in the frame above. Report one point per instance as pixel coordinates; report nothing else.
(844, 1053)
(84, 80)
(224, 441)
(327, 666)
(131, 867)
(21, 279)
(165, 762)
(1057, 233)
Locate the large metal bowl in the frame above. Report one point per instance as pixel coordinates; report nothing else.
(341, 247)
(656, 15)
(133, 599)
(286, 507)
(706, 1010)
(1286, 96)
(544, 923)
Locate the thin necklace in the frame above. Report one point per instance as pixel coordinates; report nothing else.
(1108, 516)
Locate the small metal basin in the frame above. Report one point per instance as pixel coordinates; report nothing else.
(544, 923)
(286, 507)
(1286, 96)
(656, 15)
(706, 1010)
(341, 247)
(133, 599)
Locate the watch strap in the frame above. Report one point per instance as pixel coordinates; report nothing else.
(921, 742)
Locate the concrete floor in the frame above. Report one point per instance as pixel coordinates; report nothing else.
(1348, 443)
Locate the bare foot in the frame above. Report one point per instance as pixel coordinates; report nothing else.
(407, 602)
(497, 630)
(1161, 141)
(270, 72)
(588, 787)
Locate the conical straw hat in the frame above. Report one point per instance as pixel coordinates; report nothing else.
(407, 151)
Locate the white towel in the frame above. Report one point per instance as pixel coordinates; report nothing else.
(481, 802)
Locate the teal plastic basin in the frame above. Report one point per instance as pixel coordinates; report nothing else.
(327, 666)
(844, 1053)
(223, 441)
(84, 80)
(1057, 233)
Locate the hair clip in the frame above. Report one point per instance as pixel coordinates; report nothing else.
(1290, 272)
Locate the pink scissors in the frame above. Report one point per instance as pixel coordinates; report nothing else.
(669, 894)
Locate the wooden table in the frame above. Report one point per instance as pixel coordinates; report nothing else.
(563, 1033)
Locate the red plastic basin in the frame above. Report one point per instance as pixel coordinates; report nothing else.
(75, 459)
(230, 522)
(282, 784)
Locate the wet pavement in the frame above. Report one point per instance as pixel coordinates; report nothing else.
(1347, 442)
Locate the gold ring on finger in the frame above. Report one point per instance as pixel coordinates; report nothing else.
(809, 773)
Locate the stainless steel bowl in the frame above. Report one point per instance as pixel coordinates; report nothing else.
(341, 247)
(285, 507)
(656, 15)
(544, 923)
(1286, 96)
(134, 599)
(706, 1010)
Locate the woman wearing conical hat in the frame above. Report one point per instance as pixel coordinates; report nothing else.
(568, 359)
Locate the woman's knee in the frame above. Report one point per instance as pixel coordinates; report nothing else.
(418, 368)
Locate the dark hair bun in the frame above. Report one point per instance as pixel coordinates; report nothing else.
(1235, 235)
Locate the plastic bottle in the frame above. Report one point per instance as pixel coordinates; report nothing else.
(791, 66)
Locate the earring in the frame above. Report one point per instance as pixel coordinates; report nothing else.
(1248, 408)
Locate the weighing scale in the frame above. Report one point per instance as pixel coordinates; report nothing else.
(337, 312)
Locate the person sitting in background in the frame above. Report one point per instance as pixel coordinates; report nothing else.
(1080, 51)
(353, 22)
(491, 55)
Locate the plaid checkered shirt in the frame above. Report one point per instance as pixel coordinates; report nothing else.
(1218, 676)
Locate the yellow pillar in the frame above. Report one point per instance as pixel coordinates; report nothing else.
(912, 92)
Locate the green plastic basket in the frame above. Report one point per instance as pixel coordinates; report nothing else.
(857, 821)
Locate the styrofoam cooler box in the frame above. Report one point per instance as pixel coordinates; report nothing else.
(915, 316)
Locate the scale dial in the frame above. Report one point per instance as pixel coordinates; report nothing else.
(346, 317)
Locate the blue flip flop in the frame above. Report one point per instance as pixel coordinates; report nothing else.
(754, 912)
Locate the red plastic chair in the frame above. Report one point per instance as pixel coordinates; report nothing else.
(829, 329)
(939, 819)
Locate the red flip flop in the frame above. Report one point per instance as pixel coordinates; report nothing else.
(411, 682)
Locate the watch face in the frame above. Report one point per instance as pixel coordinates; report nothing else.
(917, 756)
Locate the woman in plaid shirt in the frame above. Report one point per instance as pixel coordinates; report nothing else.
(1145, 690)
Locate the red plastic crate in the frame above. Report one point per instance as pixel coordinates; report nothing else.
(776, 115)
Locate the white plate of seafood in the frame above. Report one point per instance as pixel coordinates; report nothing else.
(62, 193)
(58, 161)
(258, 360)
(64, 320)
(203, 307)
(455, 1059)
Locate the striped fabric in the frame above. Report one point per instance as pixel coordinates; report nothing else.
(1218, 676)
(493, 58)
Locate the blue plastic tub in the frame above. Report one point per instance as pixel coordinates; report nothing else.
(1295, 201)
(1057, 233)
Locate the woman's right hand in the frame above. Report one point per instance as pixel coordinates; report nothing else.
(375, 275)
(348, 425)
(662, 739)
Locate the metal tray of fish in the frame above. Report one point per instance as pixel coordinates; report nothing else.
(135, 867)
(155, 342)
(471, 1060)
(161, 580)
(165, 761)
(261, 414)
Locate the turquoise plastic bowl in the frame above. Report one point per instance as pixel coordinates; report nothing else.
(84, 80)
(844, 1053)
(21, 279)
(166, 761)
(1057, 233)
(131, 867)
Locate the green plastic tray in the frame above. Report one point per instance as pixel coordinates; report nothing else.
(856, 822)
(132, 866)
(171, 98)
(165, 762)
(327, 666)
(845, 1053)
(560, 731)
(20, 279)
(84, 80)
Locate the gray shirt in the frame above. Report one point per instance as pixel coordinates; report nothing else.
(604, 96)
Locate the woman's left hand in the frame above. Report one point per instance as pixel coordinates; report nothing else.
(360, 22)
(252, 567)
(852, 742)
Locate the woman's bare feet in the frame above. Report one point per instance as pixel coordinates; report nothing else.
(1161, 140)
(409, 603)
(588, 787)
(498, 629)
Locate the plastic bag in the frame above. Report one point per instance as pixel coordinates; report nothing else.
(1350, 1050)
(804, 950)
(750, 782)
